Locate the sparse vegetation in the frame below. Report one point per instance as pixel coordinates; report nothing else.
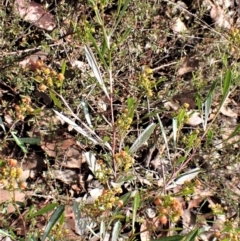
(119, 120)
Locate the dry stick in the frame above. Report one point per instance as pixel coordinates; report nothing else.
(113, 121)
(163, 66)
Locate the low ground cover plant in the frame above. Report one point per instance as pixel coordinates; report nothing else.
(119, 120)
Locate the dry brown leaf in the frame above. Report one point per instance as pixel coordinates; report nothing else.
(5, 196)
(30, 61)
(225, 110)
(189, 64)
(178, 26)
(194, 203)
(188, 219)
(144, 233)
(194, 119)
(221, 16)
(186, 97)
(65, 148)
(34, 13)
(67, 176)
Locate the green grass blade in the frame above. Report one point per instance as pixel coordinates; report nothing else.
(27, 140)
(207, 104)
(64, 65)
(136, 204)
(92, 39)
(226, 86)
(44, 210)
(143, 137)
(53, 220)
(116, 231)
(122, 12)
(19, 142)
(164, 135)
(192, 235)
(56, 101)
(94, 66)
(102, 230)
(172, 238)
(86, 112)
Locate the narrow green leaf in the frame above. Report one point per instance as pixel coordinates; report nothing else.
(19, 142)
(5, 234)
(136, 204)
(192, 235)
(44, 210)
(122, 12)
(207, 104)
(172, 238)
(102, 230)
(98, 50)
(116, 231)
(95, 68)
(56, 101)
(226, 86)
(86, 112)
(199, 102)
(27, 140)
(64, 65)
(130, 103)
(143, 137)
(53, 220)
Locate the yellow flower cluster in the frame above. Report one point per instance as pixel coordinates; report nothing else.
(124, 122)
(146, 81)
(169, 208)
(123, 160)
(104, 173)
(108, 199)
(47, 77)
(10, 174)
(24, 108)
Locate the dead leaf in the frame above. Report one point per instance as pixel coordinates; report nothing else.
(144, 233)
(65, 148)
(186, 97)
(67, 176)
(189, 219)
(225, 110)
(221, 16)
(178, 26)
(34, 13)
(5, 196)
(30, 60)
(194, 119)
(188, 64)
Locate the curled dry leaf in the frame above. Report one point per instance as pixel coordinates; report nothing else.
(34, 13)
(221, 16)
(227, 111)
(188, 65)
(189, 219)
(194, 119)
(178, 26)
